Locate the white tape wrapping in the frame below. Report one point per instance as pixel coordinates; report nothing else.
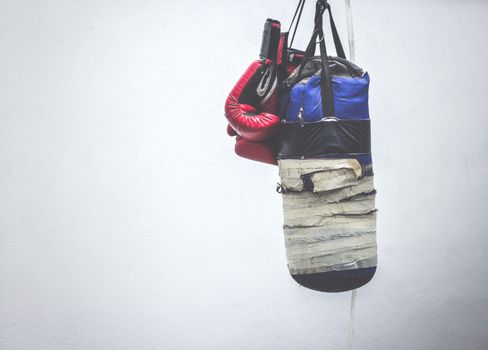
(332, 226)
(328, 173)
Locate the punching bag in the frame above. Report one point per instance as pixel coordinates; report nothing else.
(326, 169)
(309, 115)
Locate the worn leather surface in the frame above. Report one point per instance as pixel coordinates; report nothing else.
(254, 89)
(312, 140)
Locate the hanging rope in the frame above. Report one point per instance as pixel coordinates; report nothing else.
(351, 318)
(352, 57)
(298, 11)
(350, 31)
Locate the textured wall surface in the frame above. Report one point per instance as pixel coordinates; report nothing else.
(126, 221)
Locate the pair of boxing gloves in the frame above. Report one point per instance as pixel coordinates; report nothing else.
(251, 110)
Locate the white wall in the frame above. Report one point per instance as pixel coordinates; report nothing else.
(126, 221)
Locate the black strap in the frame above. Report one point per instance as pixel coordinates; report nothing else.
(335, 34)
(298, 11)
(326, 78)
(326, 82)
(310, 50)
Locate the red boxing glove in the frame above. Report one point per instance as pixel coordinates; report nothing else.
(231, 132)
(256, 90)
(258, 151)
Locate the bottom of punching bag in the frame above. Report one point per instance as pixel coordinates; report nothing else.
(336, 281)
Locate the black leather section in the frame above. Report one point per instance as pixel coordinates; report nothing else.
(338, 67)
(336, 281)
(312, 140)
(271, 39)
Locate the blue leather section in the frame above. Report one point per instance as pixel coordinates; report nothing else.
(306, 96)
(366, 162)
(350, 99)
(312, 110)
(296, 102)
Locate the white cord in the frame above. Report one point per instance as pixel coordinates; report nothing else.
(350, 31)
(351, 319)
(352, 57)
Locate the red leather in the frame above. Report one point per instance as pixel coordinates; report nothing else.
(243, 118)
(231, 132)
(281, 43)
(258, 151)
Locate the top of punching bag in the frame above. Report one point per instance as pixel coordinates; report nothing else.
(337, 66)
